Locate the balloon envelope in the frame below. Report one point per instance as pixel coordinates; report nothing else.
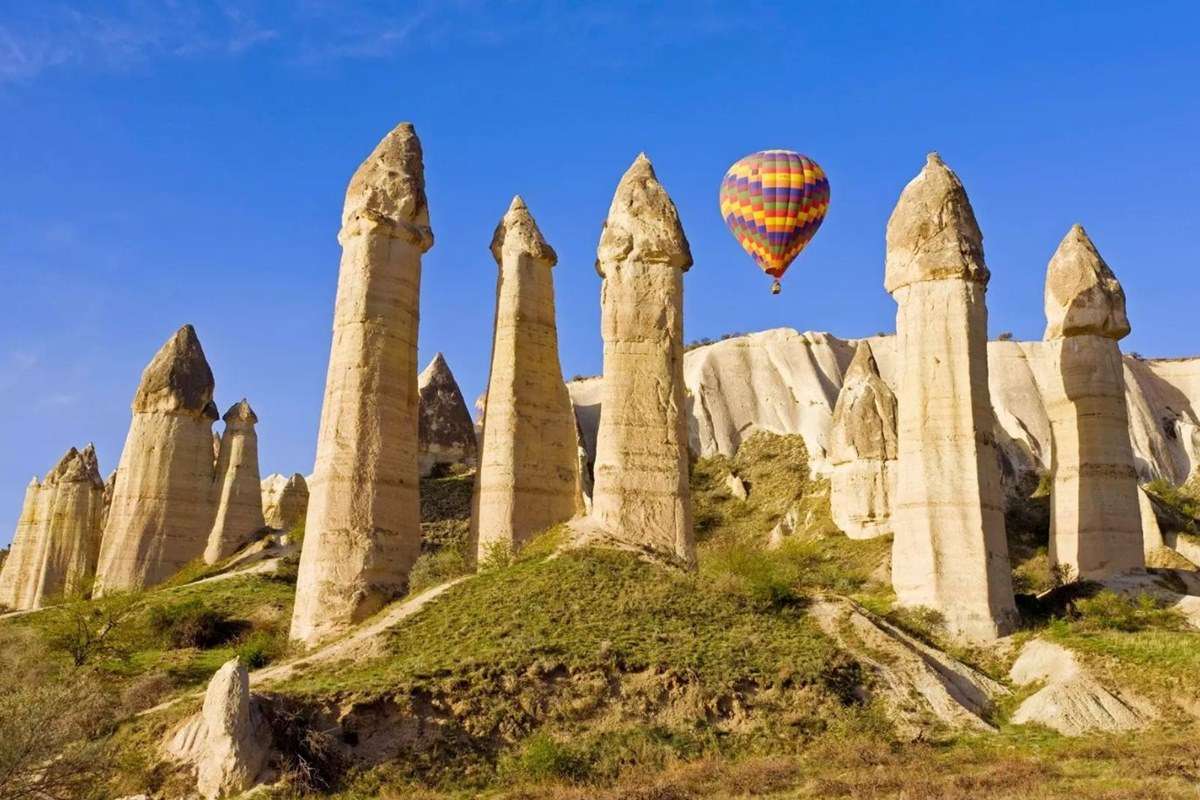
(773, 202)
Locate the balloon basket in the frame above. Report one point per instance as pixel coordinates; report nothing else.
(776, 288)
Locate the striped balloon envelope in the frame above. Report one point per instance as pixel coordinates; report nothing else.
(773, 202)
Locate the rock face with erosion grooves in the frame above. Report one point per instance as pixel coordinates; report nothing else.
(446, 431)
(1071, 702)
(228, 741)
(640, 495)
(162, 511)
(284, 500)
(1095, 521)
(363, 528)
(950, 552)
(239, 491)
(863, 450)
(529, 464)
(57, 540)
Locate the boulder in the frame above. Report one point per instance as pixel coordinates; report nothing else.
(239, 489)
(529, 469)
(640, 495)
(863, 450)
(161, 511)
(445, 431)
(363, 527)
(950, 552)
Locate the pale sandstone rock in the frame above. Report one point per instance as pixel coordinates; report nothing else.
(949, 551)
(641, 495)
(363, 527)
(14, 575)
(736, 487)
(445, 432)
(161, 512)
(1152, 536)
(1095, 522)
(239, 491)
(863, 450)
(1072, 702)
(285, 500)
(228, 741)
(110, 486)
(71, 530)
(529, 475)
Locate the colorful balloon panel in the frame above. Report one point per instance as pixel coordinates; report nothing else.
(773, 202)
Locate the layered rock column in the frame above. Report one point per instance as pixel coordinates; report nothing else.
(69, 532)
(445, 432)
(1095, 520)
(239, 511)
(641, 494)
(529, 464)
(949, 551)
(161, 511)
(363, 529)
(862, 450)
(14, 575)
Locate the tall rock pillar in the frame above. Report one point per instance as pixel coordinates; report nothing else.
(862, 450)
(363, 528)
(239, 509)
(23, 550)
(1095, 520)
(161, 511)
(529, 466)
(70, 530)
(949, 551)
(641, 494)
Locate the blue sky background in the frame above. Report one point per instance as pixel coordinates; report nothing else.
(185, 161)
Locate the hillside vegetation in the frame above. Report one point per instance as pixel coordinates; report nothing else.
(592, 674)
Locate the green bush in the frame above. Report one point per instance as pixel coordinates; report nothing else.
(1109, 611)
(767, 580)
(260, 648)
(191, 623)
(542, 757)
(437, 567)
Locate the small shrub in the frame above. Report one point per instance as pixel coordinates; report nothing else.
(1005, 337)
(191, 624)
(923, 622)
(312, 758)
(260, 648)
(437, 567)
(496, 555)
(542, 758)
(1108, 610)
(768, 581)
(1178, 499)
(102, 628)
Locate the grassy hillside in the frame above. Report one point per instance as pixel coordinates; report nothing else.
(592, 674)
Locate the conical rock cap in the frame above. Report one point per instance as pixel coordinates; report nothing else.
(178, 378)
(1083, 296)
(518, 234)
(643, 223)
(388, 190)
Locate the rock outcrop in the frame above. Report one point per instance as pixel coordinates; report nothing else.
(363, 528)
(57, 539)
(228, 741)
(529, 460)
(1095, 521)
(950, 552)
(239, 508)
(863, 450)
(445, 432)
(284, 500)
(1071, 701)
(161, 511)
(641, 495)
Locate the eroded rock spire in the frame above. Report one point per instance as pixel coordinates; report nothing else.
(238, 486)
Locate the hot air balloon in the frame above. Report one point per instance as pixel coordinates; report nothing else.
(773, 202)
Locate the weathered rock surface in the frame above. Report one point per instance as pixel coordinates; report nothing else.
(228, 741)
(363, 528)
(57, 540)
(1072, 702)
(917, 683)
(446, 432)
(641, 495)
(284, 500)
(1095, 523)
(950, 551)
(529, 463)
(239, 504)
(161, 512)
(863, 450)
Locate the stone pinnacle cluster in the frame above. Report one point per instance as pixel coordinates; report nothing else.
(641, 495)
(1095, 524)
(161, 512)
(949, 552)
(529, 466)
(54, 550)
(363, 529)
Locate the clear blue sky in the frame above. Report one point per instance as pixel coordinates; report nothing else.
(172, 162)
